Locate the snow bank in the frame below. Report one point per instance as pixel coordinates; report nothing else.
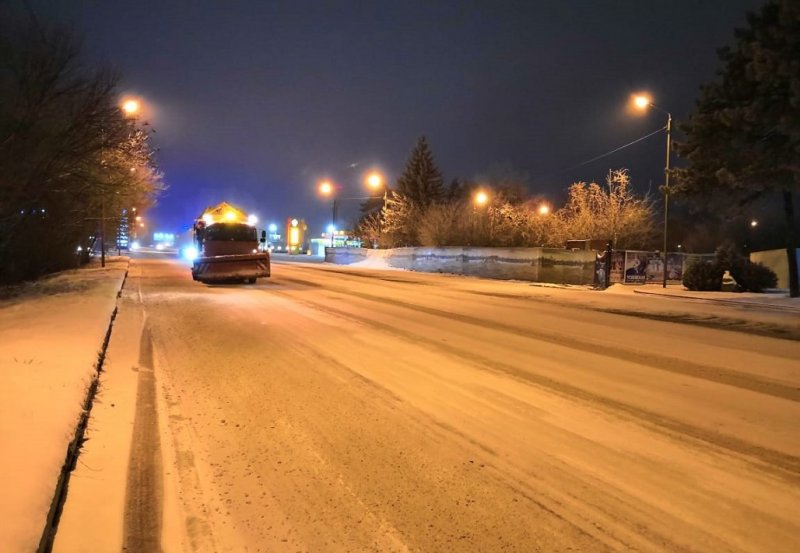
(378, 259)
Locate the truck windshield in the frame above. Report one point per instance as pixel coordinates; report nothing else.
(237, 232)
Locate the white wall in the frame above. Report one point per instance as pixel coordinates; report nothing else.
(533, 264)
(777, 261)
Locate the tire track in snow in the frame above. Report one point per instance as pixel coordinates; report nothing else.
(144, 490)
(679, 366)
(784, 465)
(728, 323)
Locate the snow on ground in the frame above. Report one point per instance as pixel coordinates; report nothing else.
(333, 409)
(50, 335)
(775, 297)
(772, 298)
(376, 261)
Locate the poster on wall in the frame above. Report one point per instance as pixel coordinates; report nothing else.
(655, 268)
(617, 272)
(675, 266)
(643, 267)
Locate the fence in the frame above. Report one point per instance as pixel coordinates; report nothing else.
(640, 267)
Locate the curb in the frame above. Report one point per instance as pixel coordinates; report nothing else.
(74, 447)
(741, 303)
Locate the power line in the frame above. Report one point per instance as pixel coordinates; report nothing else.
(601, 156)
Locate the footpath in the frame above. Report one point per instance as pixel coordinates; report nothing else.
(51, 337)
(52, 333)
(773, 299)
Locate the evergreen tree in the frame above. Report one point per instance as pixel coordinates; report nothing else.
(421, 183)
(457, 191)
(743, 138)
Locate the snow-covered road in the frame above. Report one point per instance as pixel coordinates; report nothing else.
(339, 409)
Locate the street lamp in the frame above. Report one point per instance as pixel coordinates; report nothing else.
(131, 107)
(544, 209)
(326, 189)
(643, 102)
(481, 198)
(375, 180)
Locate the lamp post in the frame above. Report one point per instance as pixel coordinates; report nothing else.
(751, 227)
(326, 188)
(130, 108)
(643, 102)
(375, 181)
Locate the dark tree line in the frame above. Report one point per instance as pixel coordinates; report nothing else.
(743, 138)
(70, 161)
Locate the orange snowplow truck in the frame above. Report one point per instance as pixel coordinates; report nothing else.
(227, 245)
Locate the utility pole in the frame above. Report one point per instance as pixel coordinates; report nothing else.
(666, 195)
(333, 222)
(102, 229)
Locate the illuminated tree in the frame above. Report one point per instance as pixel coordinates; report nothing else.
(595, 212)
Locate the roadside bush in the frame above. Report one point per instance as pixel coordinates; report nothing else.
(755, 277)
(704, 276)
(749, 276)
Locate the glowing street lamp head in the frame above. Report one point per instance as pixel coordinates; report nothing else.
(374, 180)
(252, 220)
(230, 215)
(642, 101)
(326, 188)
(544, 209)
(754, 223)
(131, 107)
(481, 198)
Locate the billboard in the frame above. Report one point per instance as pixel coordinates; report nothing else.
(617, 272)
(643, 267)
(675, 266)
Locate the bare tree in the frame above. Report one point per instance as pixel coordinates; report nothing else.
(66, 151)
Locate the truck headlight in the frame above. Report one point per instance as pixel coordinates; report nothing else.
(190, 253)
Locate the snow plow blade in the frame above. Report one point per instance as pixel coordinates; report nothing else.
(231, 267)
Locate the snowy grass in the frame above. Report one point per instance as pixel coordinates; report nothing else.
(64, 282)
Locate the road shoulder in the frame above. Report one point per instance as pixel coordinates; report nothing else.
(101, 474)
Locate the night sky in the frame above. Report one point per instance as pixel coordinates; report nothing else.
(255, 102)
